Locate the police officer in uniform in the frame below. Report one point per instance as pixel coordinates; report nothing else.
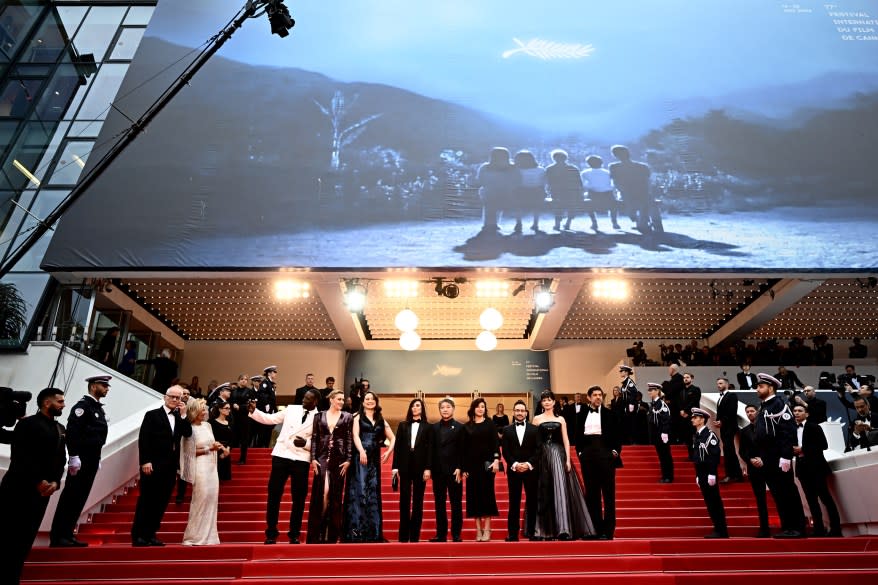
(659, 423)
(775, 438)
(266, 402)
(86, 435)
(629, 401)
(705, 456)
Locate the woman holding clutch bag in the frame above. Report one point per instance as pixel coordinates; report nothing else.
(481, 463)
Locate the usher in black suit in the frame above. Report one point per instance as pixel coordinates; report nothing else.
(159, 445)
(411, 464)
(525, 451)
(599, 469)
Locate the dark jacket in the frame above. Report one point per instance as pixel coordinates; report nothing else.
(157, 444)
(408, 460)
(525, 452)
(811, 464)
(448, 447)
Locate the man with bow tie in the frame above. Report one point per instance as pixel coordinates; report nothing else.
(727, 423)
(813, 472)
(158, 446)
(599, 446)
(86, 435)
(290, 459)
(446, 472)
(521, 446)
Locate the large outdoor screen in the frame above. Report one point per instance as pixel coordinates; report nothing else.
(471, 133)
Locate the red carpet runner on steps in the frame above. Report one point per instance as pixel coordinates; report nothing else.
(659, 538)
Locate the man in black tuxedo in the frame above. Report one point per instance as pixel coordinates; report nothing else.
(813, 471)
(521, 446)
(749, 452)
(159, 448)
(864, 429)
(447, 472)
(599, 446)
(574, 416)
(36, 465)
(689, 399)
(816, 407)
(412, 460)
(746, 379)
(727, 423)
(309, 385)
(675, 390)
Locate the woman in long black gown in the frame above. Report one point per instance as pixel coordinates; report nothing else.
(331, 445)
(223, 432)
(561, 510)
(481, 463)
(363, 522)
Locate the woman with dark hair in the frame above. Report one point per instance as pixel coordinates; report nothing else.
(222, 432)
(481, 463)
(531, 194)
(497, 180)
(411, 469)
(363, 522)
(331, 444)
(561, 510)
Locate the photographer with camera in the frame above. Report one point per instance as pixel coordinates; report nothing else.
(86, 434)
(35, 469)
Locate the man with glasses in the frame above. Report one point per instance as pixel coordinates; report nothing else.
(159, 448)
(86, 435)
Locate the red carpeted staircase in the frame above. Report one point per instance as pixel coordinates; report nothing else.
(659, 538)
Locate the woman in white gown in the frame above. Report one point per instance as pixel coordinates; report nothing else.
(198, 455)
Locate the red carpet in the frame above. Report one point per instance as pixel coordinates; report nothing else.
(659, 538)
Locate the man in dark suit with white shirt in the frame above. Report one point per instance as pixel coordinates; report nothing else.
(746, 379)
(813, 472)
(159, 448)
(727, 423)
(447, 472)
(521, 446)
(599, 446)
(412, 460)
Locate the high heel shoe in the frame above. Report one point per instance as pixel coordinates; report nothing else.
(486, 535)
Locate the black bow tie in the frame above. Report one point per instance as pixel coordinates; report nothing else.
(519, 424)
(800, 426)
(593, 409)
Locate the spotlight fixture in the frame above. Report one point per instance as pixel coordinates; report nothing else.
(279, 18)
(486, 341)
(491, 319)
(609, 289)
(355, 296)
(406, 320)
(544, 298)
(287, 290)
(410, 341)
(449, 290)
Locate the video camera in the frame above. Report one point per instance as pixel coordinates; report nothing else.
(13, 406)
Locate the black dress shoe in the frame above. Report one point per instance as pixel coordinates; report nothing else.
(834, 533)
(605, 537)
(67, 543)
(763, 534)
(156, 542)
(437, 539)
(717, 534)
(790, 534)
(270, 541)
(295, 541)
(242, 463)
(511, 539)
(139, 542)
(666, 480)
(564, 536)
(457, 539)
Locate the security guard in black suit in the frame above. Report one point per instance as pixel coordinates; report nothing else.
(266, 402)
(705, 456)
(36, 465)
(86, 435)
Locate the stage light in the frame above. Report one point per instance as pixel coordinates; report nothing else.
(492, 288)
(491, 319)
(279, 18)
(397, 289)
(449, 290)
(544, 298)
(287, 290)
(486, 341)
(410, 341)
(355, 296)
(610, 289)
(406, 320)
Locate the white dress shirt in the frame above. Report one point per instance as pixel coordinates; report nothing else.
(415, 426)
(593, 423)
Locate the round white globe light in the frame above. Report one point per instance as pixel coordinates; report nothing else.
(410, 341)
(486, 341)
(491, 319)
(406, 320)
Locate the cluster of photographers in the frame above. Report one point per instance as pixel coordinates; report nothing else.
(783, 441)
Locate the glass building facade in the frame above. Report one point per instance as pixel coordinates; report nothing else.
(61, 66)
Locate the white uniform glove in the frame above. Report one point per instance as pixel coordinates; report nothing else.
(630, 408)
(73, 465)
(664, 438)
(711, 480)
(784, 465)
(697, 482)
